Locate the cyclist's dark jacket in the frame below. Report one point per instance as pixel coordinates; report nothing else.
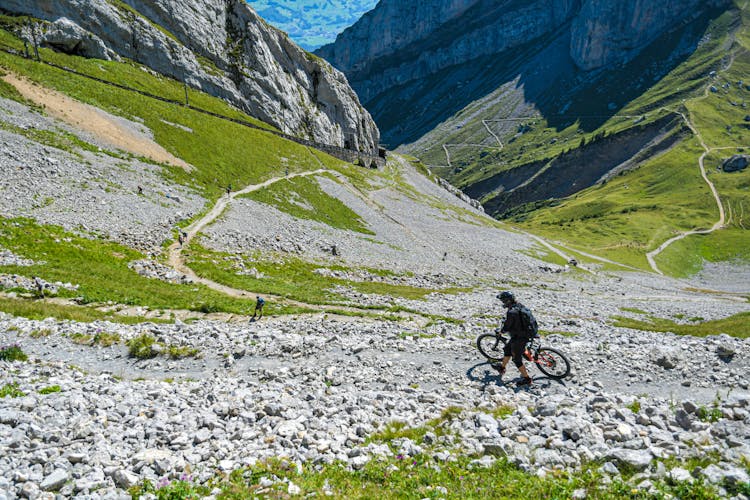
(513, 324)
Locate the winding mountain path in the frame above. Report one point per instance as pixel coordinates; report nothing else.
(651, 256)
(493, 134)
(177, 261)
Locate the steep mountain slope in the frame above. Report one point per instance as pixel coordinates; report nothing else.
(312, 23)
(217, 151)
(433, 59)
(596, 95)
(223, 48)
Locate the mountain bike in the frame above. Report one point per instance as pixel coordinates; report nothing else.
(550, 361)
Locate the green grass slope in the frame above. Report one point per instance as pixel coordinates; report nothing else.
(657, 196)
(222, 152)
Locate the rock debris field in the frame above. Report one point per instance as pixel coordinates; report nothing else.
(313, 389)
(89, 421)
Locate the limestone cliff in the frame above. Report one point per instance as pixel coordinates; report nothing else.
(607, 32)
(392, 45)
(222, 47)
(396, 55)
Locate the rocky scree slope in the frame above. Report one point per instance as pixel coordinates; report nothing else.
(83, 191)
(314, 389)
(223, 48)
(393, 56)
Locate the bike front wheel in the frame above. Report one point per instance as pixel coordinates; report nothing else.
(490, 346)
(552, 363)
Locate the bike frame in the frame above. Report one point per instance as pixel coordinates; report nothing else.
(528, 353)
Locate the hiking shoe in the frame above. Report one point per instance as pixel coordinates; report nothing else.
(524, 382)
(499, 367)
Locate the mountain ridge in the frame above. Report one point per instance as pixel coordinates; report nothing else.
(224, 49)
(416, 46)
(500, 126)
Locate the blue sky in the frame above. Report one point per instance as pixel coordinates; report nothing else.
(312, 23)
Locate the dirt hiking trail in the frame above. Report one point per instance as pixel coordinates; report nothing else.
(106, 128)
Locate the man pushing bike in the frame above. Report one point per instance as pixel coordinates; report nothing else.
(521, 326)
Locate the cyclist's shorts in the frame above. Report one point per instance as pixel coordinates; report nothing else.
(515, 348)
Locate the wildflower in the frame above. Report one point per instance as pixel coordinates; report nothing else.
(399, 457)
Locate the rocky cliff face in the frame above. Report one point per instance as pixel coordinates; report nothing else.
(378, 53)
(391, 48)
(221, 47)
(607, 32)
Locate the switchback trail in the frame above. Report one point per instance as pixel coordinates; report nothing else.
(651, 256)
(177, 261)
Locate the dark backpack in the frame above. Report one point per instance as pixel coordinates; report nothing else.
(528, 321)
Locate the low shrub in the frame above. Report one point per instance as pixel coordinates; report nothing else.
(36, 334)
(12, 353)
(11, 390)
(142, 347)
(106, 339)
(180, 352)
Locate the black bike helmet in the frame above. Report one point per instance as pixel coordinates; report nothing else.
(506, 296)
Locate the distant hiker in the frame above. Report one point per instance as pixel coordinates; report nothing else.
(259, 303)
(522, 327)
(140, 190)
(180, 238)
(286, 172)
(229, 189)
(445, 255)
(184, 235)
(39, 286)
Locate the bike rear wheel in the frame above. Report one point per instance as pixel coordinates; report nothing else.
(552, 363)
(490, 346)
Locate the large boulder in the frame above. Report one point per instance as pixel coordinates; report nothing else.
(665, 358)
(638, 460)
(735, 163)
(66, 36)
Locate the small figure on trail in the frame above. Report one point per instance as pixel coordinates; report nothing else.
(286, 172)
(445, 256)
(522, 327)
(140, 190)
(229, 189)
(259, 303)
(180, 238)
(39, 286)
